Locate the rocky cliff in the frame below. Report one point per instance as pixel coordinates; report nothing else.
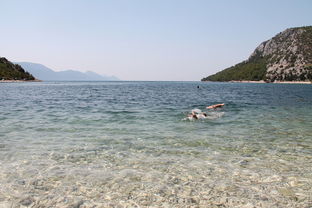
(285, 57)
(10, 71)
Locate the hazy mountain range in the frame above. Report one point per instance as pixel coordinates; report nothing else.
(44, 73)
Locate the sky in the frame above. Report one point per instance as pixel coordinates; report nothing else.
(161, 40)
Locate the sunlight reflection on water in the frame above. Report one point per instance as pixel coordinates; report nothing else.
(126, 144)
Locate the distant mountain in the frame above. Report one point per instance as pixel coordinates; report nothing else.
(10, 71)
(285, 57)
(46, 74)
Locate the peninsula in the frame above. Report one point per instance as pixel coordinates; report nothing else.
(287, 57)
(10, 72)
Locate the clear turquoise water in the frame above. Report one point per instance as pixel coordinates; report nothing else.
(128, 144)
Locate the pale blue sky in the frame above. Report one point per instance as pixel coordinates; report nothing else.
(143, 39)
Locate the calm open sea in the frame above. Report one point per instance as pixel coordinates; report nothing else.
(128, 144)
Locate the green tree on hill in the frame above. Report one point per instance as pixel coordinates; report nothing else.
(10, 71)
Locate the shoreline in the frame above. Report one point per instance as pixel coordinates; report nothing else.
(14, 81)
(275, 82)
(232, 81)
(292, 82)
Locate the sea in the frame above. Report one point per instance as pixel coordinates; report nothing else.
(131, 144)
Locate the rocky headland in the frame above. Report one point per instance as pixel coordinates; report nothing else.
(10, 72)
(287, 57)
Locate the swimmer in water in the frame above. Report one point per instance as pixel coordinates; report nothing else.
(202, 116)
(197, 116)
(215, 106)
(192, 116)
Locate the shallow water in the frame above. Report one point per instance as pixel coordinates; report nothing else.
(128, 144)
